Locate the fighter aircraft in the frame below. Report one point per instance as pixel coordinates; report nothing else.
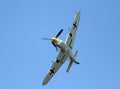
(65, 49)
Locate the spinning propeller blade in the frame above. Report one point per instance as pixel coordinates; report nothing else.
(59, 33)
(54, 46)
(46, 39)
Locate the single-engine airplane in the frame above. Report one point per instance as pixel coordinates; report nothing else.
(65, 49)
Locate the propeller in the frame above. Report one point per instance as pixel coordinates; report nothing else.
(59, 33)
(55, 46)
(53, 40)
(46, 39)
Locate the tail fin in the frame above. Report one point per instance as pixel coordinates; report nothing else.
(71, 62)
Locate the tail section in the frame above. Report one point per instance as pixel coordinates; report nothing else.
(71, 62)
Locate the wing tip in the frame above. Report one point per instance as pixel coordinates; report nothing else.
(44, 83)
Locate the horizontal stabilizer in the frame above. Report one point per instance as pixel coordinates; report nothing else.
(69, 66)
(71, 62)
(75, 54)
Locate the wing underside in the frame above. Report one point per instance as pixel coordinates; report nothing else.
(71, 35)
(56, 65)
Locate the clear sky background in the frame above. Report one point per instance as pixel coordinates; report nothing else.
(25, 58)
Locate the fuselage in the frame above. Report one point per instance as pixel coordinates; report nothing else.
(64, 48)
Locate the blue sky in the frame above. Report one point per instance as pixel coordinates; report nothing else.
(25, 58)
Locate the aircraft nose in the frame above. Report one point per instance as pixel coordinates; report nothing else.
(54, 39)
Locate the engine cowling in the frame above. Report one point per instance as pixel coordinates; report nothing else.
(61, 45)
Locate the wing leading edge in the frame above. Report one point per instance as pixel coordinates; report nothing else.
(71, 35)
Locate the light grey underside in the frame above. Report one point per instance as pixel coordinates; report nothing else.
(71, 35)
(61, 58)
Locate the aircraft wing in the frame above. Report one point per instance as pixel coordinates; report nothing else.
(71, 35)
(61, 58)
